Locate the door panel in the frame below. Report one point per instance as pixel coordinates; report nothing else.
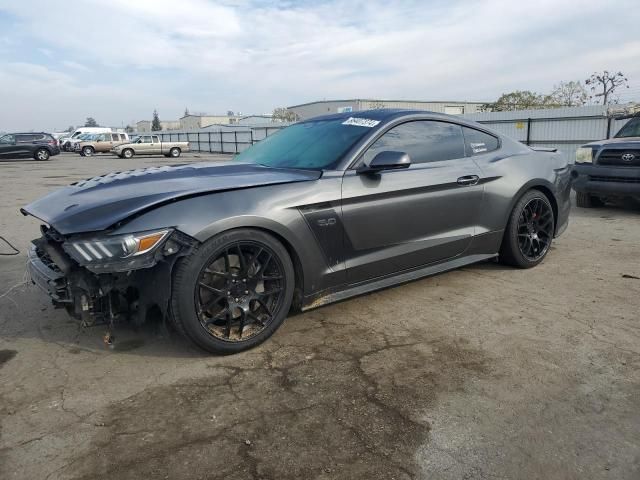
(8, 146)
(156, 145)
(403, 219)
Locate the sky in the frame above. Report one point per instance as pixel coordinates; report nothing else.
(117, 60)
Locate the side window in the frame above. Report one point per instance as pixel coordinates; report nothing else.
(123, 137)
(25, 138)
(424, 141)
(145, 139)
(156, 139)
(115, 136)
(8, 139)
(478, 142)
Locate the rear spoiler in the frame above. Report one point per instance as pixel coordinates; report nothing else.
(544, 149)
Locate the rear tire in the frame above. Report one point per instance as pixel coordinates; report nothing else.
(42, 155)
(174, 152)
(237, 284)
(128, 153)
(586, 200)
(529, 233)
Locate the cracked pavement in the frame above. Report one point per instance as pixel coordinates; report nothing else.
(483, 372)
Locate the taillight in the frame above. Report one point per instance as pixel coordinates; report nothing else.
(53, 142)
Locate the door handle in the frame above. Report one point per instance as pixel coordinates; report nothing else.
(469, 180)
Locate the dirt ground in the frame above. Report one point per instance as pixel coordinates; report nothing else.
(484, 372)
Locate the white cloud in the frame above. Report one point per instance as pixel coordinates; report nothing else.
(252, 56)
(75, 65)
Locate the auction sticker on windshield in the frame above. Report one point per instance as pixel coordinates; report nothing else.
(361, 122)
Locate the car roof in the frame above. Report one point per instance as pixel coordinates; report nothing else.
(27, 133)
(385, 115)
(382, 114)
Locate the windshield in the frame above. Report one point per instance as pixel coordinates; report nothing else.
(631, 129)
(314, 145)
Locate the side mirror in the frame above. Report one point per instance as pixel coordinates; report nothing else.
(386, 161)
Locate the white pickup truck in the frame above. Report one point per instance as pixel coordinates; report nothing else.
(150, 145)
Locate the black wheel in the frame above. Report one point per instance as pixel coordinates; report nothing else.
(127, 153)
(586, 200)
(233, 291)
(174, 152)
(88, 151)
(529, 232)
(42, 154)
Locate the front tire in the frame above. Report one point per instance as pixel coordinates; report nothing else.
(127, 153)
(233, 291)
(529, 231)
(88, 151)
(42, 155)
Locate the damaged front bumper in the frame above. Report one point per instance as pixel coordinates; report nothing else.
(47, 276)
(98, 298)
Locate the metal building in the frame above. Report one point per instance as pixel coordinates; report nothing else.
(325, 107)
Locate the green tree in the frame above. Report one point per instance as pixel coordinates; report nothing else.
(281, 114)
(569, 94)
(91, 122)
(70, 129)
(155, 123)
(604, 84)
(519, 100)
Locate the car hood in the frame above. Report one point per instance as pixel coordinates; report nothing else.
(100, 202)
(620, 142)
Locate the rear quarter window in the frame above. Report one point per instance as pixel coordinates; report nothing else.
(25, 138)
(477, 142)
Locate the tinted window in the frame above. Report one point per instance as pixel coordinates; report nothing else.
(630, 129)
(424, 141)
(26, 138)
(114, 136)
(316, 144)
(478, 142)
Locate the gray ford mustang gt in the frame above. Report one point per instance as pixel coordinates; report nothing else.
(323, 210)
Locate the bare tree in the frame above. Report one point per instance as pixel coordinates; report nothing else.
(282, 114)
(604, 84)
(569, 94)
(376, 105)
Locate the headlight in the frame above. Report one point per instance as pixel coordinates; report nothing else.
(117, 253)
(584, 155)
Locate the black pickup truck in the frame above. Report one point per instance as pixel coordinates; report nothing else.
(609, 169)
